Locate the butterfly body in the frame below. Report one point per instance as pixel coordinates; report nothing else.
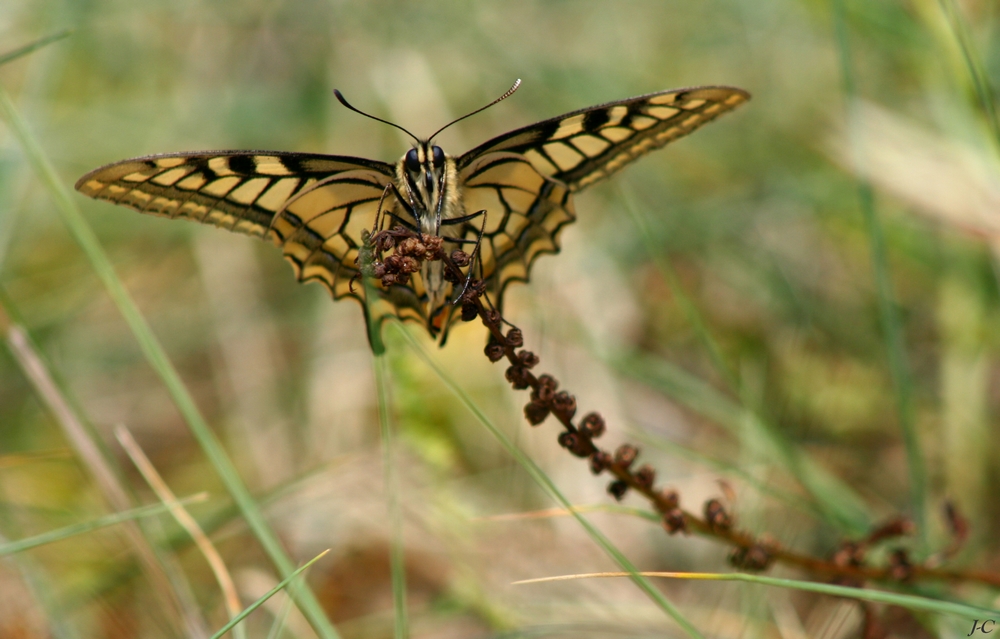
(318, 208)
(428, 181)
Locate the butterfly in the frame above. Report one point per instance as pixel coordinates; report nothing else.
(510, 196)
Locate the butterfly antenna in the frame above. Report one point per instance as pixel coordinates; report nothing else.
(506, 95)
(343, 100)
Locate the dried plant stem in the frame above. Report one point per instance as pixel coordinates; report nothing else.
(846, 565)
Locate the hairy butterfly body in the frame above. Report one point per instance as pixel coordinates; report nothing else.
(316, 208)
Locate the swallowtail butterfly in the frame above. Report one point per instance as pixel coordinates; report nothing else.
(316, 207)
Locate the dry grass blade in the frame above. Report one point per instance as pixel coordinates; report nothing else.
(947, 181)
(174, 595)
(184, 518)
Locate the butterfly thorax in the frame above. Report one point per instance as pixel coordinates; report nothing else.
(426, 178)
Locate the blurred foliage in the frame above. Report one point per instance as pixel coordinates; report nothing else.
(758, 214)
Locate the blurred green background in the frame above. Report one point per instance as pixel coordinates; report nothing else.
(753, 238)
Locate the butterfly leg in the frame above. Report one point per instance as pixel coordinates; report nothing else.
(377, 227)
(474, 258)
(389, 213)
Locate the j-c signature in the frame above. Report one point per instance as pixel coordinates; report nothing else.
(988, 626)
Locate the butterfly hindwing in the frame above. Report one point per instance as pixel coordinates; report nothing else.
(525, 211)
(584, 146)
(321, 230)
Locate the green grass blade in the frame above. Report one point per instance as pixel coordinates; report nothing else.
(270, 593)
(33, 46)
(549, 487)
(913, 602)
(397, 556)
(158, 359)
(397, 550)
(974, 65)
(280, 619)
(657, 253)
(66, 532)
(891, 329)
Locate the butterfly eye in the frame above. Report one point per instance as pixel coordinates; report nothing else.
(412, 161)
(438, 157)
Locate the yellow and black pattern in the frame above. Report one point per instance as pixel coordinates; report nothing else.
(312, 206)
(317, 207)
(236, 190)
(525, 211)
(582, 147)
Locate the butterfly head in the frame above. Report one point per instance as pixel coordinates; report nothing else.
(426, 175)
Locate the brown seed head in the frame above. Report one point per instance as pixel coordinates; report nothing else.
(900, 567)
(893, 528)
(527, 359)
(515, 339)
(667, 500)
(617, 489)
(755, 558)
(409, 265)
(645, 476)
(625, 455)
(471, 312)
(599, 462)
(675, 521)
(494, 352)
(411, 247)
(518, 377)
(568, 440)
(592, 425)
(717, 517)
(564, 404)
(535, 413)
(579, 446)
(849, 553)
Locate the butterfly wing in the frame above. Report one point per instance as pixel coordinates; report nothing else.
(524, 179)
(315, 207)
(582, 147)
(525, 211)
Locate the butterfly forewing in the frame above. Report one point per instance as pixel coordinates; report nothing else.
(584, 146)
(313, 206)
